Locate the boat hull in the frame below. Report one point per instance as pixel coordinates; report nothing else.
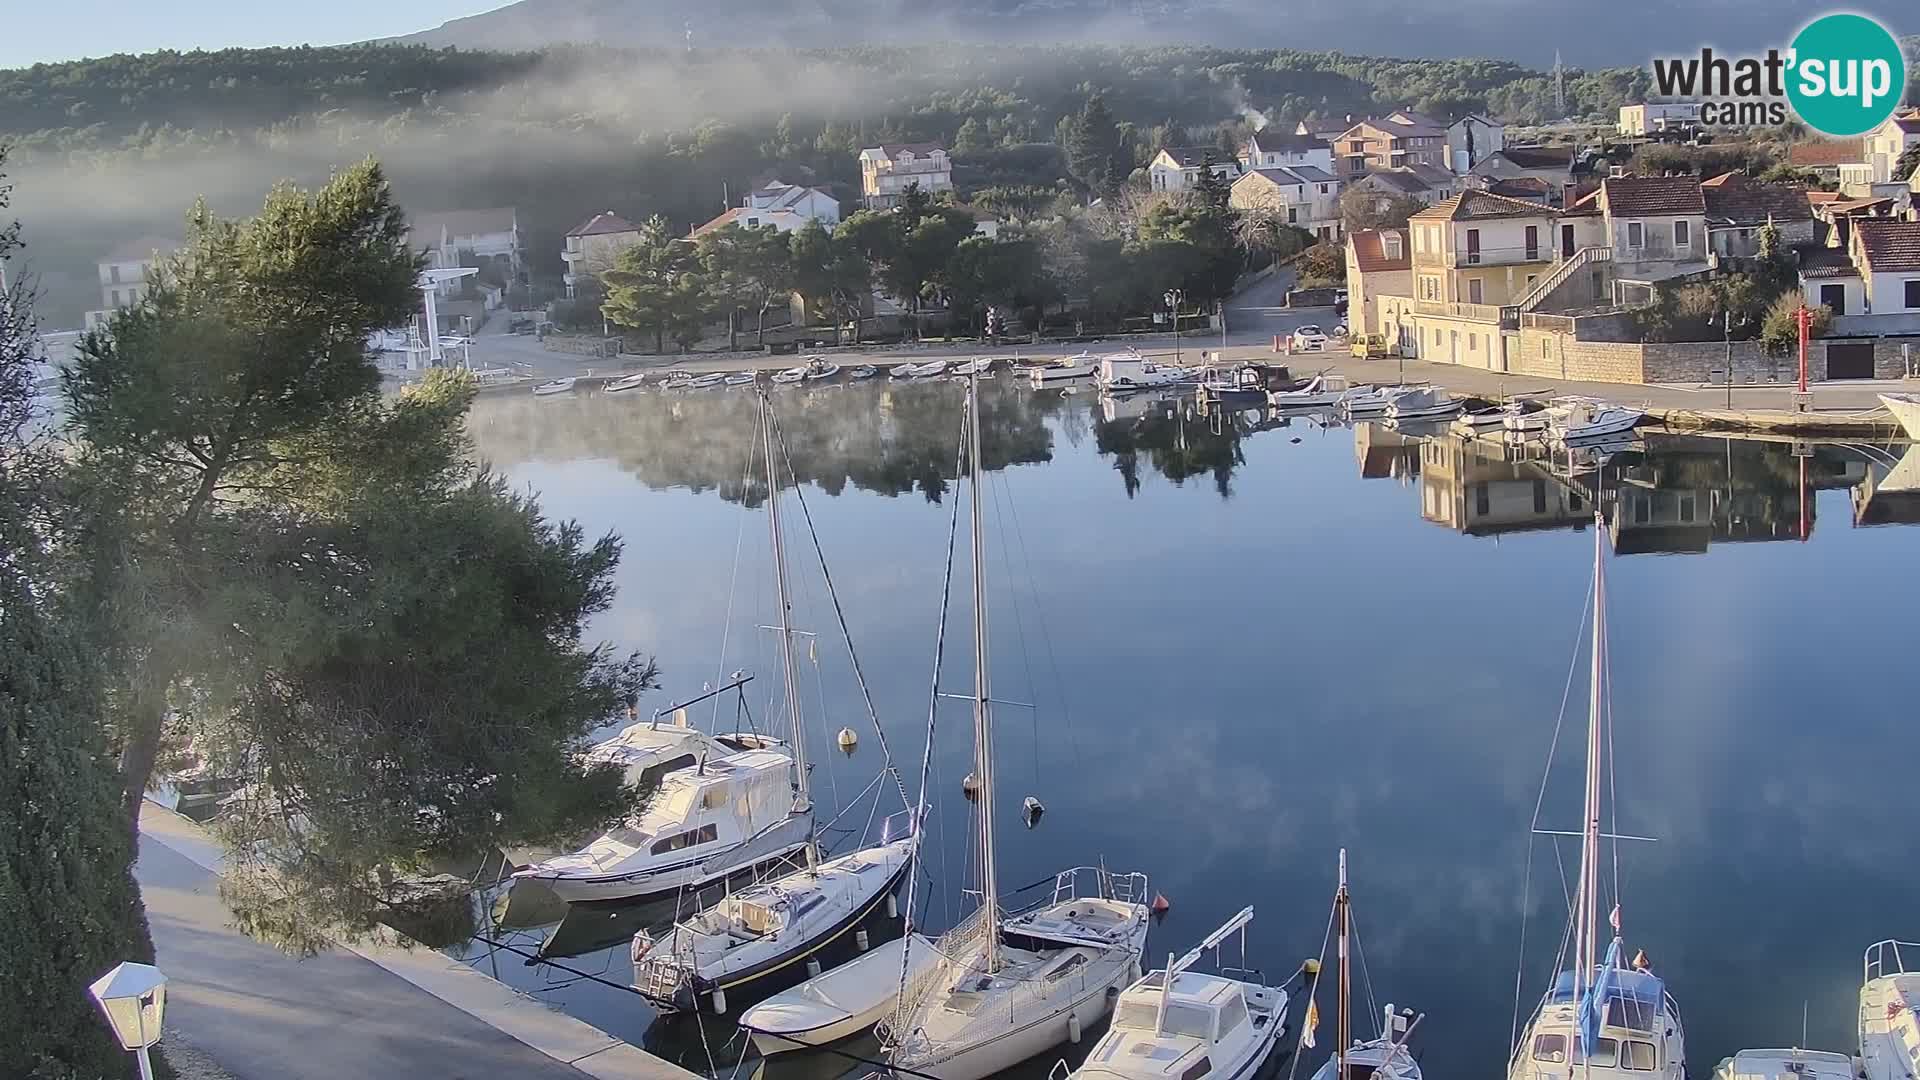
(1906, 409)
(853, 997)
(1035, 1035)
(777, 842)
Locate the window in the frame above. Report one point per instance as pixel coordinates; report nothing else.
(1539, 496)
(1638, 1056)
(1550, 1048)
(1482, 504)
(705, 834)
(1636, 234)
(1680, 235)
(115, 270)
(1686, 509)
(1293, 215)
(1323, 189)
(1473, 245)
(1473, 342)
(1197, 1070)
(1606, 1053)
(1391, 242)
(1182, 1019)
(1474, 291)
(1232, 1015)
(1913, 294)
(1135, 1016)
(1533, 243)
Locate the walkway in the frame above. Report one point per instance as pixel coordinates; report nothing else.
(370, 1011)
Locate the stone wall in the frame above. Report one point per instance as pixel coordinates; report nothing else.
(1561, 356)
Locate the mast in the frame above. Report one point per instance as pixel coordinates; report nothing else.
(801, 802)
(1586, 927)
(1343, 1020)
(982, 707)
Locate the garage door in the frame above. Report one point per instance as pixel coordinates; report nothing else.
(1850, 360)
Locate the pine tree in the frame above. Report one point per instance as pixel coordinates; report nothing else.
(1093, 146)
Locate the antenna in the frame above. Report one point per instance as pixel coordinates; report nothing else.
(688, 26)
(1559, 87)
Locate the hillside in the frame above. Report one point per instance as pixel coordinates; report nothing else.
(1610, 34)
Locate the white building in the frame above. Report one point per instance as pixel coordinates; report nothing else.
(1470, 139)
(1273, 149)
(594, 244)
(1304, 197)
(887, 170)
(492, 236)
(123, 275)
(782, 206)
(1178, 168)
(1886, 143)
(1640, 121)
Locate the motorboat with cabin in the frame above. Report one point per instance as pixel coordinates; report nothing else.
(1244, 384)
(819, 367)
(1364, 402)
(789, 376)
(841, 1002)
(1129, 371)
(864, 371)
(1177, 1022)
(1422, 403)
(725, 815)
(1889, 993)
(1324, 391)
(1065, 370)
(1584, 420)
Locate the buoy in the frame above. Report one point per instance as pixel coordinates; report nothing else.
(1161, 903)
(971, 787)
(860, 939)
(1073, 1027)
(813, 969)
(848, 740)
(893, 906)
(641, 946)
(1312, 966)
(1031, 810)
(719, 1000)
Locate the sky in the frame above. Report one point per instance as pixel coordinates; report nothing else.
(48, 30)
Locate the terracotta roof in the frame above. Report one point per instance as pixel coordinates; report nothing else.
(606, 221)
(1537, 157)
(1822, 198)
(1826, 263)
(1587, 205)
(1521, 187)
(460, 223)
(1889, 246)
(1370, 254)
(1809, 155)
(1647, 196)
(1853, 206)
(141, 250)
(1733, 197)
(1478, 205)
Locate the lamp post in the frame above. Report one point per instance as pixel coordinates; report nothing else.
(1173, 299)
(134, 997)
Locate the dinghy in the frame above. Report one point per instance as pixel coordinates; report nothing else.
(843, 1002)
(555, 386)
(629, 382)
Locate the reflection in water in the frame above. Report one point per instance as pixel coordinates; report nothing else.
(1350, 626)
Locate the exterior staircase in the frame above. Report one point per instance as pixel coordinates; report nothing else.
(1586, 256)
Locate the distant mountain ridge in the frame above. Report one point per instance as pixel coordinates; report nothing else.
(1615, 33)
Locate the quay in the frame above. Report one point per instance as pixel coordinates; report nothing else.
(384, 1008)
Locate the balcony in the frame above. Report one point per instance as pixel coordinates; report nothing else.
(1500, 256)
(1492, 313)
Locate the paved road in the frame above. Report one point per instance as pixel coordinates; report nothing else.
(265, 1016)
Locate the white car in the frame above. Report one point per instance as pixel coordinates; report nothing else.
(1309, 339)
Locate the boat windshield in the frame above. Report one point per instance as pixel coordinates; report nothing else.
(1181, 1019)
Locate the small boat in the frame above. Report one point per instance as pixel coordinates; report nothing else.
(929, 369)
(629, 382)
(1906, 409)
(901, 371)
(1129, 371)
(1592, 420)
(822, 368)
(704, 382)
(843, 1002)
(789, 376)
(1243, 385)
(1527, 415)
(742, 378)
(676, 380)
(1067, 369)
(1374, 401)
(1172, 1021)
(554, 386)
(1422, 403)
(1794, 1064)
(864, 371)
(1323, 391)
(1386, 1056)
(979, 365)
(1487, 419)
(1889, 993)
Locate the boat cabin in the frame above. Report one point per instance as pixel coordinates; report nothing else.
(699, 811)
(1792, 1064)
(1201, 1011)
(1638, 1037)
(1889, 1033)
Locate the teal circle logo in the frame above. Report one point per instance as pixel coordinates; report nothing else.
(1846, 74)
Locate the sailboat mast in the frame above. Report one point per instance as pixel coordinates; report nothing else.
(1586, 911)
(982, 707)
(1343, 1019)
(802, 802)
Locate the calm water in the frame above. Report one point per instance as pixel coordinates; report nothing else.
(1253, 643)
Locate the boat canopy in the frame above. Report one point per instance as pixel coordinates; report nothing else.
(1628, 998)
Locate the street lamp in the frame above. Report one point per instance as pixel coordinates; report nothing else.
(134, 996)
(1173, 298)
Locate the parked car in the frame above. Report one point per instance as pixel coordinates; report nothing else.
(1309, 339)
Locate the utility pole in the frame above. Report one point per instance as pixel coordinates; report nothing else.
(1726, 325)
(1173, 299)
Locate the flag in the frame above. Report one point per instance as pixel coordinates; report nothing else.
(1313, 1021)
(1614, 918)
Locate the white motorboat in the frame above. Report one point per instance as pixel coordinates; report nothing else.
(553, 386)
(676, 380)
(1388, 1055)
(702, 824)
(864, 371)
(1600, 1019)
(1889, 993)
(1422, 403)
(1527, 415)
(1067, 369)
(926, 370)
(842, 1002)
(1176, 1021)
(789, 376)
(1008, 988)
(822, 368)
(1242, 385)
(626, 382)
(1906, 409)
(1323, 391)
(704, 382)
(742, 378)
(1488, 419)
(1373, 401)
(1128, 371)
(979, 365)
(1579, 421)
(758, 935)
(1790, 1064)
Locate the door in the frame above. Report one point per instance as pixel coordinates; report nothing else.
(1850, 360)
(1835, 297)
(1566, 241)
(1473, 245)
(1474, 293)
(1533, 243)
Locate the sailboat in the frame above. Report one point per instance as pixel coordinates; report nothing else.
(1386, 1055)
(1007, 987)
(762, 933)
(1600, 1019)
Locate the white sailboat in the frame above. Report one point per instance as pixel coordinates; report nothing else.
(757, 935)
(1889, 992)
(1600, 1019)
(1387, 1055)
(1905, 409)
(842, 1002)
(1176, 1021)
(1009, 987)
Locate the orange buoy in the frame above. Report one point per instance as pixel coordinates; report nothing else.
(1161, 904)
